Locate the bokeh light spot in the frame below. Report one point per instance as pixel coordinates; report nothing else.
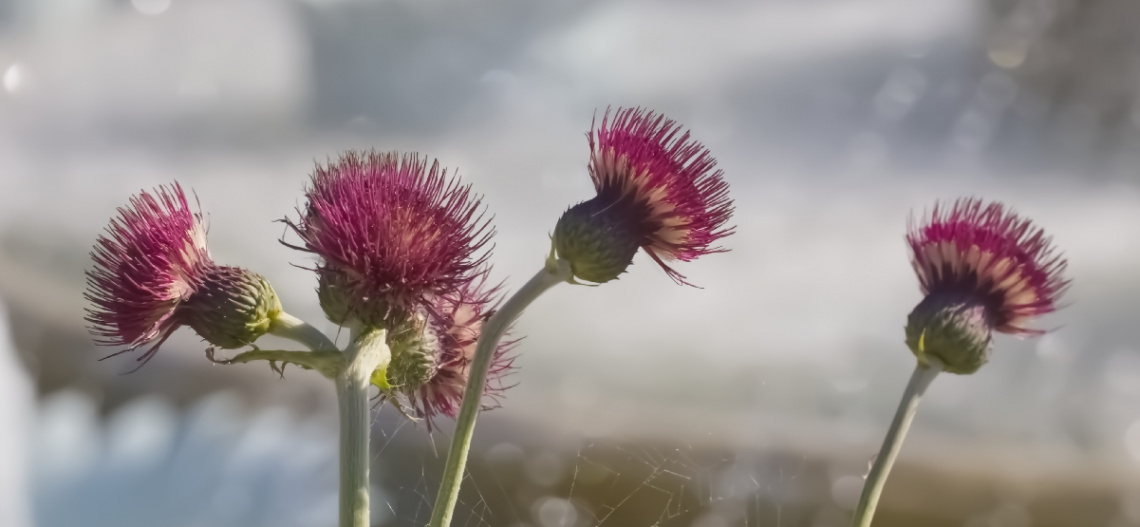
(13, 78)
(151, 7)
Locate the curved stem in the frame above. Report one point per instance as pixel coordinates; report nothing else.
(295, 329)
(555, 272)
(877, 477)
(367, 352)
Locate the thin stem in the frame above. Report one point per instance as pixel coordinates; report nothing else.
(919, 380)
(555, 272)
(367, 352)
(328, 363)
(295, 329)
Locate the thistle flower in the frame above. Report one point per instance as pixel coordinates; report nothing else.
(391, 232)
(153, 273)
(983, 269)
(656, 189)
(431, 355)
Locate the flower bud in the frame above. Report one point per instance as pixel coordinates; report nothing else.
(331, 295)
(432, 351)
(598, 238)
(232, 307)
(413, 357)
(952, 328)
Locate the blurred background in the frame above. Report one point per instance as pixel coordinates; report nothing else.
(758, 400)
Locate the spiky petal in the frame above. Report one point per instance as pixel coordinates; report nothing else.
(992, 252)
(657, 189)
(148, 262)
(153, 273)
(391, 231)
(982, 268)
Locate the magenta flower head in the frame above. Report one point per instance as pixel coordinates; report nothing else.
(391, 232)
(656, 189)
(432, 353)
(153, 273)
(982, 269)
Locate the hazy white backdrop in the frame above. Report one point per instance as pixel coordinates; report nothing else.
(832, 120)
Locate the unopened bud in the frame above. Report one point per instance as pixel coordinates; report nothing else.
(232, 307)
(599, 238)
(331, 295)
(953, 328)
(414, 350)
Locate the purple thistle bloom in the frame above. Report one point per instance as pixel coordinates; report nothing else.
(982, 268)
(459, 323)
(146, 265)
(153, 273)
(432, 354)
(657, 189)
(391, 232)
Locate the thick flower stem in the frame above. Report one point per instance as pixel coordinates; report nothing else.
(555, 272)
(877, 478)
(367, 352)
(295, 329)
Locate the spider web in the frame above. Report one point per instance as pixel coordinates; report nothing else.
(604, 482)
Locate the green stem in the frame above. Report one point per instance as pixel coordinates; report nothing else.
(293, 328)
(877, 478)
(555, 272)
(367, 352)
(328, 363)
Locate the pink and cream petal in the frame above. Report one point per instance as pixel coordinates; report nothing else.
(991, 253)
